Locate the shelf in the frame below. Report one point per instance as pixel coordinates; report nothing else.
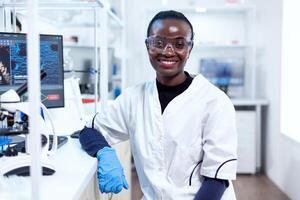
(80, 46)
(53, 7)
(117, 22)
(55, 4)
(205, 46)
(249, 101)
(235, 8)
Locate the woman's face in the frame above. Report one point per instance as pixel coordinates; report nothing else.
(169, 45)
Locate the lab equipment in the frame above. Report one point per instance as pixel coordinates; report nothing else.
(61, 140)
(10, 151)
(110, 172)
(4, 141)
(19, 164)
(13, 61)
(12, 131)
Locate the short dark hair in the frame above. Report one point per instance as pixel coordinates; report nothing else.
(169, 14)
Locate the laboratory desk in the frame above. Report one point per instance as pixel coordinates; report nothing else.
(74, 172)
(74, 178)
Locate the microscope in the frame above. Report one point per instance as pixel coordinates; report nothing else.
(17, 112)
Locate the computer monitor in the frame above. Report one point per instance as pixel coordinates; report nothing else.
(217, 69)
(225, 73)
(13, 66)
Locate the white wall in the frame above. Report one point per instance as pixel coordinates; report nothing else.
(137, 70)
(282, 162)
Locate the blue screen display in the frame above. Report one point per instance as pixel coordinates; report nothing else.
(223, 71)
(13, 66)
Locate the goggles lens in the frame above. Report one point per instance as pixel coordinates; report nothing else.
(160, 43)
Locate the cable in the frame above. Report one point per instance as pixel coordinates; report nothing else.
(49, 116)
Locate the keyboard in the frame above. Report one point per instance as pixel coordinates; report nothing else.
(61, 140)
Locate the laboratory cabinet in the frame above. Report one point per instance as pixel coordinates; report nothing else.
(245, 122)
(249, 118)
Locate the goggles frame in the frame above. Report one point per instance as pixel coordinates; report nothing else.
(160, 43)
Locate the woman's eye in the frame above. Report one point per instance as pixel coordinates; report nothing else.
(159, 43)
(179, 44)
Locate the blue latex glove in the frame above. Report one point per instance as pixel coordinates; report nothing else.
(110, 172)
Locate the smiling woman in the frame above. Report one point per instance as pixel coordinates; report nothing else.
(169, 44)
(196, 159)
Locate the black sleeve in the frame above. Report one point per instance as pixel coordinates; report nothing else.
(92, 141)
(211, 189)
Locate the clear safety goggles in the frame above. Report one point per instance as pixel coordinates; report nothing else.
(160, 43)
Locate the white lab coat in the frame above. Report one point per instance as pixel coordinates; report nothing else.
(194, 137)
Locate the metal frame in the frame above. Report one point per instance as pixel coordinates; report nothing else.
(34, 100)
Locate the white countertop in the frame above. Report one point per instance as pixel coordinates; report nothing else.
(74, 171)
